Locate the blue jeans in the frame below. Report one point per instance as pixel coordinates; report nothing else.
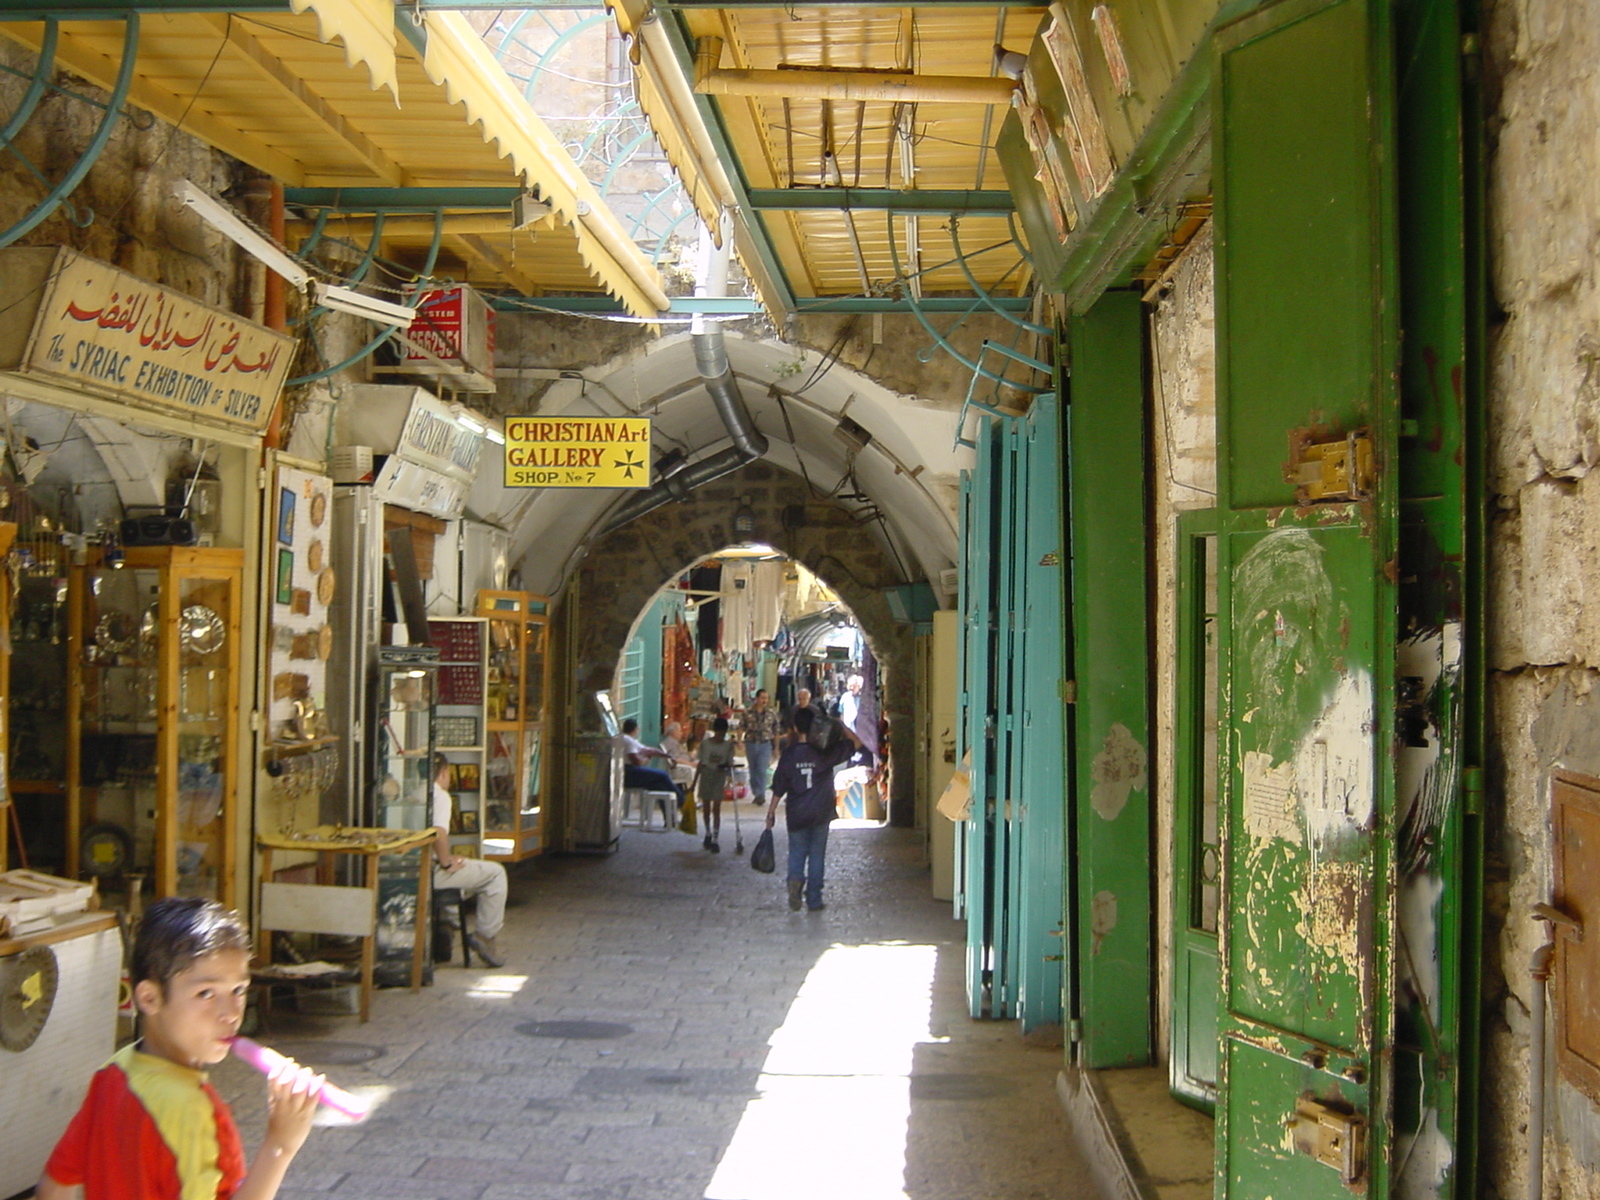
(759, 757)
(810, 842)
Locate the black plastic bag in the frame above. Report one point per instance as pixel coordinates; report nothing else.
(764, 858)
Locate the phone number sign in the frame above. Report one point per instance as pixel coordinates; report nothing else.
(578, 452)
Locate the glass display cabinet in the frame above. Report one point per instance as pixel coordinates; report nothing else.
(402, 738)
(463, 645)
(405, 691)
(516, 677)
(152, 719)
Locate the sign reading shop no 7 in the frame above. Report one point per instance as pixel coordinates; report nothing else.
(578, 452)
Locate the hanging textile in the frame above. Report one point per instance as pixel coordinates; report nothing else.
(738, 588)
(766, 599)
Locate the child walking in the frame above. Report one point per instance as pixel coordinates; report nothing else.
(711, 779)
(151, 1127)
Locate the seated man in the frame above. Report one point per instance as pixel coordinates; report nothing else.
(474, 876)
(635, 772)
(680, 762)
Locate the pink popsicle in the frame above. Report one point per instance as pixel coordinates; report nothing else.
(266, 1061)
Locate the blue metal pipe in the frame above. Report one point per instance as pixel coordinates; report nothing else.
(940, 339)
(979, 290)
(36, 89)
(91, 153)
(571, 32)
(390, 331)
(622, 158)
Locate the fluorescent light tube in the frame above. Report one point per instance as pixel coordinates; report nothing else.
(469, 424)
(347, 300)
(228, 223)
(495, 436)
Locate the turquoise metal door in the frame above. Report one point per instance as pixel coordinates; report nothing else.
(1040, 714)
(1012, 670)
(1308, 421)
(979, 632)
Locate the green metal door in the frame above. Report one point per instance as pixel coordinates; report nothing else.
(1197, 821)
(1308, 416)
(1114, 868)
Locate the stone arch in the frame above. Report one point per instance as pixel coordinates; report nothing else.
(623, 570)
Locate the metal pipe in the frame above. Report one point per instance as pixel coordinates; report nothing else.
(1539, 970)
(36, 88)
(97, 143)
(711, 359)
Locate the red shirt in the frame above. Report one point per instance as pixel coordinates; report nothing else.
(150, 1130)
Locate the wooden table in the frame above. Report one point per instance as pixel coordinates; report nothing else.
(330, 840)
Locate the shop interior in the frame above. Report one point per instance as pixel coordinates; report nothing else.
(744, 620)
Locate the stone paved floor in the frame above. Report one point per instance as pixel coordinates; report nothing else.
(771, 1055)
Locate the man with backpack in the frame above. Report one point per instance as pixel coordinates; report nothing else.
(804, 782)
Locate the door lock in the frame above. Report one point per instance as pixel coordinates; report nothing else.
(1333, 1136)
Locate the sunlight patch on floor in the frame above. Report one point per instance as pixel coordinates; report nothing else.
(497, 987)
(834, 1098)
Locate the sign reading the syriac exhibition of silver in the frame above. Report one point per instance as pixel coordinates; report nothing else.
(103, 330)
(580, 452)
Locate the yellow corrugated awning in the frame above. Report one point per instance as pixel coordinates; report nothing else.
(330, 98)
(458, 61)
(366, 27)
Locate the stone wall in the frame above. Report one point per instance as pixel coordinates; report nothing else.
(1544, 441)
(1183, 467)
(623, 570)
(135, 224)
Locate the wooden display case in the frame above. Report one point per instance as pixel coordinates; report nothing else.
(458, 723)
(152, 719)
(516, 686)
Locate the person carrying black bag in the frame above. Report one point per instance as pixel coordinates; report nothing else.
(804, 781)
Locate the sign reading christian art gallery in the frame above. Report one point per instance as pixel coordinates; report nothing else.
(100, 329)
(581, 452)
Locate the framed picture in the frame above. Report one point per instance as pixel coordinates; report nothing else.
(469, 820)
(285, 576)
(466, 777)
(286, 503)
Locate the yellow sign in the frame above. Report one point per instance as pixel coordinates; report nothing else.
(586, 452)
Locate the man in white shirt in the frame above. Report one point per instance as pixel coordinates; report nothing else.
(474, 876)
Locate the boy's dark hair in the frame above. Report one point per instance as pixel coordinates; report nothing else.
(802, 719)
(178, 931)
(629, 725)
(720, 725)
(440, 762)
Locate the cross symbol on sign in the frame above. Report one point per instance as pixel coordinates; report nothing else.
(628, 463)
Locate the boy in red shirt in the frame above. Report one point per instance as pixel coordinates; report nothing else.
(151, 1127)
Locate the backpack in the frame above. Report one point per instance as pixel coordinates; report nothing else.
(824, 733)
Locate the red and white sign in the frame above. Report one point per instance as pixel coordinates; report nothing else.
(452, 339)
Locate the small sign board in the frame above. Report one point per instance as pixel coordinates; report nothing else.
(578, 452)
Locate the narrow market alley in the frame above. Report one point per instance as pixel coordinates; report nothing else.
(717, 1045)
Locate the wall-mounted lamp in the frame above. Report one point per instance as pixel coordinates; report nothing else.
(744, 518)
(232, 226)
(348, 300)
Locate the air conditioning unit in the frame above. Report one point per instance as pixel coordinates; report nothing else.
(950, 581)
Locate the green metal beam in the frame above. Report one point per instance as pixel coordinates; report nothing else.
(683, 49)
(975, 203)
(110, 10)
(401, 199)
(739, 306)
